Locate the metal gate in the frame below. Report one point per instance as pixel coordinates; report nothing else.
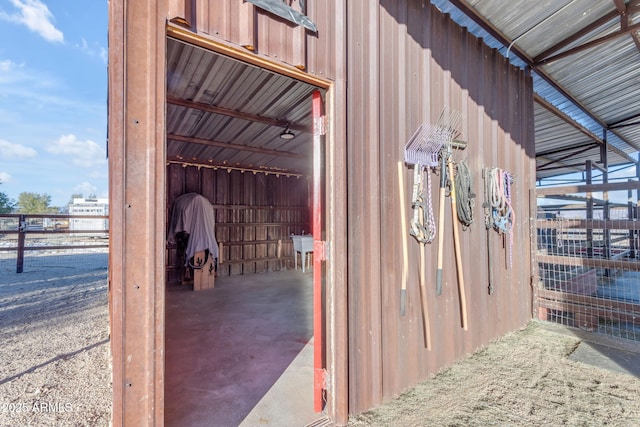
(588, 263)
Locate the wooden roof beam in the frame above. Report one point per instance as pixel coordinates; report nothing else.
(588, 188)
(235, 114)
(489, 28)
(237, 167)
(567, 148)
(588, 45)
(624, 20)
(576, 36)
(566, 156)
(544, 103)
(238, 147)
(578, 167)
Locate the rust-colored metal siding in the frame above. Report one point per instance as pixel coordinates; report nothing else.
(406, 62)
(363, 175)
(255, 216)
(136, 197)
(243, 24)
(393, 64)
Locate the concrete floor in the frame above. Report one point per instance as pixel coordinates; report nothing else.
(242, 353)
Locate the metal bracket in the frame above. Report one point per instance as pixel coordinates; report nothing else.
(320, 125)
(321, 379)
(321, 248)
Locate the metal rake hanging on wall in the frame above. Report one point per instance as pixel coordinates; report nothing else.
(424, 150)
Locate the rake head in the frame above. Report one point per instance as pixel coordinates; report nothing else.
(426, 142)
(422, 147)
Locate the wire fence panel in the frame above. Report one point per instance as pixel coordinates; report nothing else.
(589, 274)
(35, 242)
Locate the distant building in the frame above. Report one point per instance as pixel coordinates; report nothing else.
(95, 207)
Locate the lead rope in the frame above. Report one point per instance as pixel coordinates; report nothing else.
(431, 220)
(512, 220)
(423, 226)
(501, 216)
(464, 194)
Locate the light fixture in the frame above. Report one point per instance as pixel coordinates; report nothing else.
(287, 134)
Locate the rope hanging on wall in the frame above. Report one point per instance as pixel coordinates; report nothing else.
(466, 196)
(499, 213)
(423, 224)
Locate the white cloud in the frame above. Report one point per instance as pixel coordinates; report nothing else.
(94, 50)
(11, 73)
(86, 189)
(36, 16)
(83, 153)
(11, 151)
(104, 55)
(5, 177)
(7, 65)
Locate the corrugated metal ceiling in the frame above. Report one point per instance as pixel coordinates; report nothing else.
(226, 113)
(585, 60)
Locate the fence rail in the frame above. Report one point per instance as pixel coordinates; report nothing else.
(42, 236)
(589, 268)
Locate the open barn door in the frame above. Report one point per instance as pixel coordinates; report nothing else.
(319, 248)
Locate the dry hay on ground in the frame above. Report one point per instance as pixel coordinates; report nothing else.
(523, 379)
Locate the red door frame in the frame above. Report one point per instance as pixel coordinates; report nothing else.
(318, 253)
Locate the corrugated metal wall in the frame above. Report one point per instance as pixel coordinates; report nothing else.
(395, 64)
(255, 216)
(242, 24)
(406, 62)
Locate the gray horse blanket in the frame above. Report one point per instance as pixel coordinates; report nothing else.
(193, 214)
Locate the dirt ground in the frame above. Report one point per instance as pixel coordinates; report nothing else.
(55, 364)
(527, 378)
(55, 367)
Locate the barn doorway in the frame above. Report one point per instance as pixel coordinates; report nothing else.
(242, 136)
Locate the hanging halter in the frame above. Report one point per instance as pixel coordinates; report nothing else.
(499, 212)
(423, 226)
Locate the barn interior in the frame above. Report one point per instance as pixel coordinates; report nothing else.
(241, 136)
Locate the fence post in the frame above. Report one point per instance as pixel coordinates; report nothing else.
(589, 169)
(22, 225)
(630, 217)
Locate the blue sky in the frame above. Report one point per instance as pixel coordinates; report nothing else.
(53, 98)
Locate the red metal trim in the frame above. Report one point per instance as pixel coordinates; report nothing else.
(318, 341)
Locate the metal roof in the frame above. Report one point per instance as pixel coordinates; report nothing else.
(584, 56)
(226, 113)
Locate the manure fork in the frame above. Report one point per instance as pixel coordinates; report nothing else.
(422, 152)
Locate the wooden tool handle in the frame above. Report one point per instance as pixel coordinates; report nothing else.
(423, 297)
(440, 241)
(443, 183)
(456, 244)
(403, 233)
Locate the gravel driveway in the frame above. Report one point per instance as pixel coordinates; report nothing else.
(55, 365)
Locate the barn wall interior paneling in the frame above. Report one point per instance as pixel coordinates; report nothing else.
(255, 217)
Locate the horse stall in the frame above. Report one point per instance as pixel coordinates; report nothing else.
(238, 200)
(292, 119)
(232, 347)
